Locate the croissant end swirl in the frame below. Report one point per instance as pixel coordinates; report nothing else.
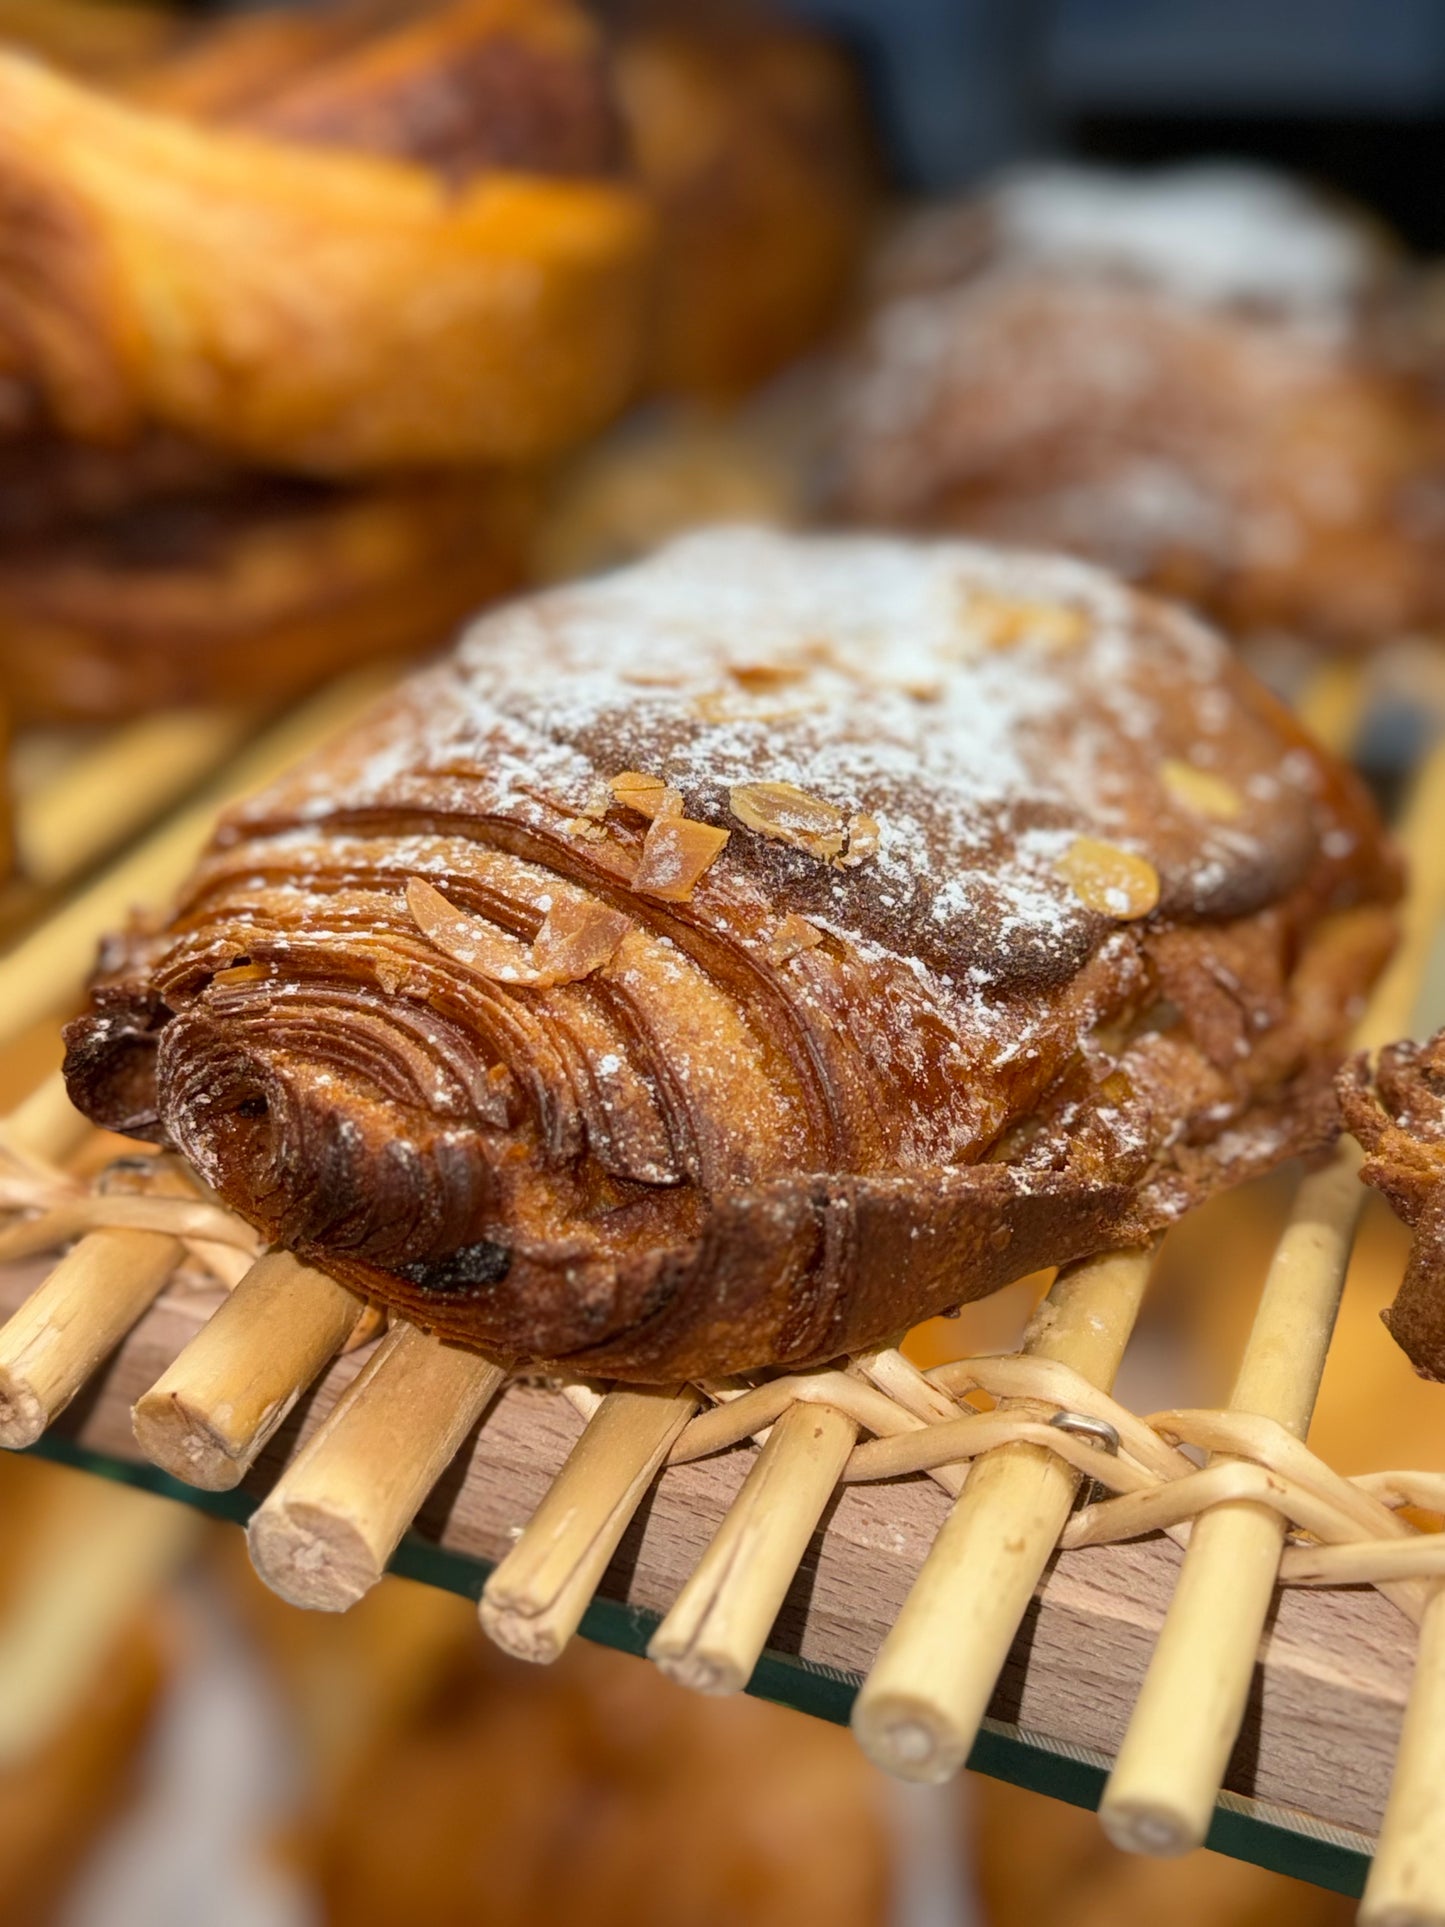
(741, 957)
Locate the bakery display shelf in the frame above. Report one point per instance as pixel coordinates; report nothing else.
(849, 1567)
(1329, 1690)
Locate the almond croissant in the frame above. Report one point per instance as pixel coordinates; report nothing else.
(737, 959)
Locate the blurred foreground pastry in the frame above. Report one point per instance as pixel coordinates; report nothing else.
(737, 959)
(451, 1784)
(1205, 379)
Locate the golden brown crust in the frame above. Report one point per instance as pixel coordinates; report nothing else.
(1398, 1115)
(1202, 381)
(747, 136)
(151, 273)
(857, 1013)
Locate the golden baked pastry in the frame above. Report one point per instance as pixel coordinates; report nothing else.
(246, 591)
(411, 1734)
(751, 142)
(740, 958)
(747, 135)
(327, 311)
(672, 1807)
(1203, 379)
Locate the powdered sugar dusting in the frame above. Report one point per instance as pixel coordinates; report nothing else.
(984, 707)
(1213, 233)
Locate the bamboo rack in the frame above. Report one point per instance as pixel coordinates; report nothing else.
(740, 1529)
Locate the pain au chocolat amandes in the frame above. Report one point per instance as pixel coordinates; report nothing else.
(737, 959)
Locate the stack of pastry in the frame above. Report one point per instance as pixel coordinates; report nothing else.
(293, 312)
(1208, 379)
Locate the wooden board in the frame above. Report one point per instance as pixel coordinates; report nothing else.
(1329, 1690)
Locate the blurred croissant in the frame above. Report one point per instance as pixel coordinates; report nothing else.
(336, 312)
(238, 591)
(743, 957)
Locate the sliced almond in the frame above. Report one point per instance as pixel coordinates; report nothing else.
(469, 940)
(1197, 791)
(576, 939)
(1003, 623)
(1111, 881)
(648, 795)
(792, 936)
(758, 678)
(788, 814)
(864, 836)
(675, 852)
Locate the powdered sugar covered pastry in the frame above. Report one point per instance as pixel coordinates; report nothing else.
(736, 959)
(1204, 378)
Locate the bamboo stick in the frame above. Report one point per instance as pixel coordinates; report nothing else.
(46, 971)
(896, 1375)
(109, 792)
(46, 1124)
(337, 1513)
(920, 1708)
(1161, 1795)
(99, 1554)
(73, 1321)
(206, 1419)
(534, 1601)
(1406, 1882)
(715, 1633)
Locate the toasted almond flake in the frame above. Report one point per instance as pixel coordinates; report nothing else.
(648, 795)
(793, 935)
(584, 827)
(1201, 793)
(675, 852)
(599, 800)
(576, 939)
(788, 814)
(1111, 881)
(760, 677)
(863, 839)
(1002, 623)
(469, 940)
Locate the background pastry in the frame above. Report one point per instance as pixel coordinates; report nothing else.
(147, 430)
(1205, 379)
